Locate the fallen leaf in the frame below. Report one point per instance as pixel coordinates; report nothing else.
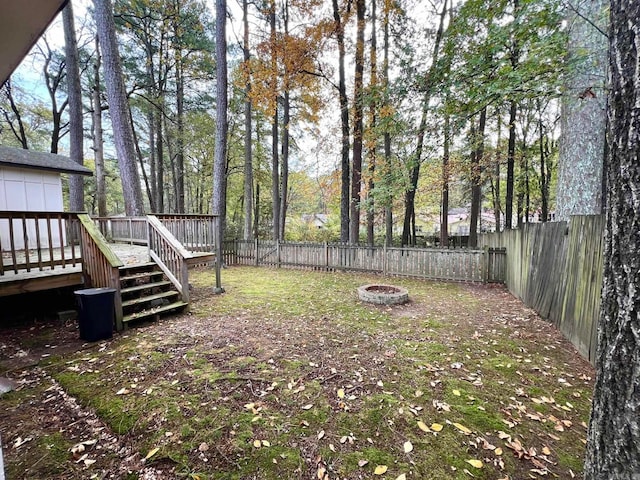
(362, 463)
(456, 393)
(422, 426)
(436, 427)
(122, 391)
(340, 393)
(265, 443)
(498, 451)
(257, 443)
(402, 476)
(475, 463)
(320, 434)
(408, 447)
(462, 428)
(151, 453)
(308, 406)
(546, 451)
(380, 470)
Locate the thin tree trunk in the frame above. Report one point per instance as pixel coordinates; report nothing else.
(496, 182)
(275, 160)
(613, 451)
(179, 181)
(373, 82)
(511, 154)
(408, 234)
(344, 126)
(284, 172)
(160, 157)
(18, 131)
(118, 108)
(444, 220)
(101, 190)
(76, 129)
(220, 154)
(248, 151)
(358, 127)
(388, 209)
(476, 179)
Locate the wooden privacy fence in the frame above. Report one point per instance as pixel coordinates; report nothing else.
(436, 264)
(556, 269)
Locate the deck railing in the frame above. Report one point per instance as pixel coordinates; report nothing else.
(123, 229)
(170, 255)
(100, 266)
(196, 232)
(38, 240)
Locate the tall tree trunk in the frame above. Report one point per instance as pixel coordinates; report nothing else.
(388, 208)
(160, 156)
(580, 164)
(408, 234)
(284, 171)
(248, 152)
(513, 110)
(358, 110)
(179, 112)
(118, 108)
(101, 188)
(76, 129)
(476, 178)
(220, 154)
(344, 127)
(614, 431)
(286, 119)
(511, 156)
(495, 182)
(275, 160)
(373, 107)
(444, 219)
(153, 176)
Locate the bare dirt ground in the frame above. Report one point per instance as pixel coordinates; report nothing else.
(41, 419)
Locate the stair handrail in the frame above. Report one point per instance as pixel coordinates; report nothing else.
(100, 265)
(170, 255)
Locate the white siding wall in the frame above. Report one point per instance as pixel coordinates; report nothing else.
(29, 190)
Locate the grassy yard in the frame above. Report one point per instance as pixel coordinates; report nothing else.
(287, 375)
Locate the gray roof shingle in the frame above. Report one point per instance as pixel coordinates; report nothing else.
(18, 157)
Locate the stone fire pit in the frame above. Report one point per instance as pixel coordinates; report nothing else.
(383, 294)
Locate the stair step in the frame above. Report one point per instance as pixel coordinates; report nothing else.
(137, 276)
(157, 296)
(138, 266)
(154, 311)
(145, 286)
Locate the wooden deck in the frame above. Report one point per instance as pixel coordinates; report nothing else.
(46, 277)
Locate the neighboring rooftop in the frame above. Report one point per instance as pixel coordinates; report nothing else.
(21, 158)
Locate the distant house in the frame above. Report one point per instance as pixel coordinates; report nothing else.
(31, 181)
(318, 220)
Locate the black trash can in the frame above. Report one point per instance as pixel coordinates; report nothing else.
(95, 319)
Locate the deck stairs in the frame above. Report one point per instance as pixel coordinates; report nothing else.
(147, 293)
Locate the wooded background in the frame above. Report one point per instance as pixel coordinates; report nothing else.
(379, 114)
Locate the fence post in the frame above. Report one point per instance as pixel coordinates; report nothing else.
(256, 248)
(384, 259)
(278, 253)
(486, 263)
(326, 256)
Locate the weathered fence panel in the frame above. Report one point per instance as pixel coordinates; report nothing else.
(556, 269)
(437, 264)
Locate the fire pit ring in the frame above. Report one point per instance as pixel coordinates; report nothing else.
(381, 294)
